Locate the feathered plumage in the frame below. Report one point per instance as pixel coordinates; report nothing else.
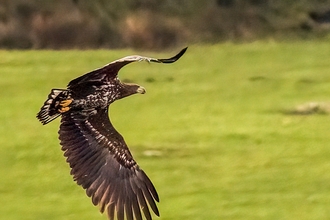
(99, 158)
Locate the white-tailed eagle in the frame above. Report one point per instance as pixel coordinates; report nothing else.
(99, 158)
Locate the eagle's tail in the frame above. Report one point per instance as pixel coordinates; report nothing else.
(56, 104)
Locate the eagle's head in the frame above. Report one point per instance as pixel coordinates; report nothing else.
(127, 89)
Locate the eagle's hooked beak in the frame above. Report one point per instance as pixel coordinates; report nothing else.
(141, 90)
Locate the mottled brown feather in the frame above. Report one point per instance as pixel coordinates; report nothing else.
(99, 169)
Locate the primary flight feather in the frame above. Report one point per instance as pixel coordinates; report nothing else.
(99, 158)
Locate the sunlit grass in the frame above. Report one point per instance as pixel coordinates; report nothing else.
(223, 147)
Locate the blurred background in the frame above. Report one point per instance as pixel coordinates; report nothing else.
(237, 129)
(150, 24)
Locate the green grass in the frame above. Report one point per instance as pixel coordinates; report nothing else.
(215, 117)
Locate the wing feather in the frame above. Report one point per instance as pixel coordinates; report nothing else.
(128, 210)
(120, 205)
(111, 70)
(136, 208)
(97, 191)
(105, 197)
(102, 164)
(111, 211)
(143, 205)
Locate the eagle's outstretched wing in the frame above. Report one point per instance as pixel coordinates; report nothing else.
(111, 70)
(102, 164)
(99, 158)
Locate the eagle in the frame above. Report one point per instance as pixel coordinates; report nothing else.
(98, 156)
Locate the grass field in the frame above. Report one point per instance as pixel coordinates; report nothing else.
(221, 146)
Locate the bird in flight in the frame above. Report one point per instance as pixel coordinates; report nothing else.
(98, 156)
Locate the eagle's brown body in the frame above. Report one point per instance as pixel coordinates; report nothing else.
(99, 158)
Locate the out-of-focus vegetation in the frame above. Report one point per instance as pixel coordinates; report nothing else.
(152, 24)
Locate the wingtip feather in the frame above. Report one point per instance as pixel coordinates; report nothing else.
(174, 58)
